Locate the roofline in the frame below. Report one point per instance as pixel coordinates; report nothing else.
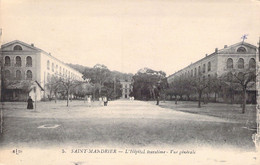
(214, 53)
(40, 50)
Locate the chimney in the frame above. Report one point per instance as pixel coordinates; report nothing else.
(32, 44)
(225, 46)
(206, 55)
(216, 50)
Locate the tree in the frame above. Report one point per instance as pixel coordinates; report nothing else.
(242, 80)
(53, 86)
(67, 85)
(144, 82)
(98, 75)
(199, 84)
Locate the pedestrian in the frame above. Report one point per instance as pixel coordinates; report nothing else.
(105, 101)
(29, 103)
(100, 101)
(89, 101)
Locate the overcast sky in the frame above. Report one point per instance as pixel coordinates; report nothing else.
(127, 35)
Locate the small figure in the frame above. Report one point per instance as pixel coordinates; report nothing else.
(100, 101)
(89, 101)
(105, 101)
(30, 103)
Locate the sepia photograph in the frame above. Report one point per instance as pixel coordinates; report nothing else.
(129, 82)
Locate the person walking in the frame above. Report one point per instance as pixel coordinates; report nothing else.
(105, 101)
(29, 103)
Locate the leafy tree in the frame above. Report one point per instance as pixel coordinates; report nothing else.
(53, 87)
(98, 75)
(200, 84)
(67, 85)
(242, 80)
(144, 82)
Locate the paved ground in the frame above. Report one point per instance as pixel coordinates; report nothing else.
(122, 124)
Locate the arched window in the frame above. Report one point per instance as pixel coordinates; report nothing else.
(241, 50)
(229, 63)
(29, 75)
(199, 72)
(7, 61)
(7, 74)
(240, 63)
(252, 64)
(18, 61)
(204, 68)
(52, 67)
(209, 66)
(18, 75)
(28, 61)
(18, 48)
(195, 71)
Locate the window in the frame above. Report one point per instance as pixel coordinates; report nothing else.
(52, 67)
(241, 50)
(48, 65)
(230, 63)
(18, 75)
(29, 75)
(125, 90)
(195, 72)
(7, 61)
(7, 74)
(18, 61)
(240, 63)
(204, 68)
(209, 66)
(18, 48)
(48, 77)
(252, 64)
(56, 69)
(191, 72)
(126, 86)
(199, 71)
(29, 61)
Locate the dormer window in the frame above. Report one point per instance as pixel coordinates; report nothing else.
(17, 48)
(241, 50)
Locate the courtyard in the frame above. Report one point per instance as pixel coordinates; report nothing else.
(128, 123)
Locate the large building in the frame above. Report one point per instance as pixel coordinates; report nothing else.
(239, 56)
(126, 88)
(24, 63)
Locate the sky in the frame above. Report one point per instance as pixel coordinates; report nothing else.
(127, 35)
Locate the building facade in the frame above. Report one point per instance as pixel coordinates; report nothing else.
(24, 64)
(239, 56)
(126, 88)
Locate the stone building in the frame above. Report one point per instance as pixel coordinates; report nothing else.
(239, 56)
(26, 65)
(126, 88)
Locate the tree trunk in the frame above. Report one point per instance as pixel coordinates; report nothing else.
(68, 98)
(199, 103)
(244, 101)
(215, 97)
(55, 96)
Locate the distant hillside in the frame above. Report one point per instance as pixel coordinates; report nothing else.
(117, 74)
(78, 67)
